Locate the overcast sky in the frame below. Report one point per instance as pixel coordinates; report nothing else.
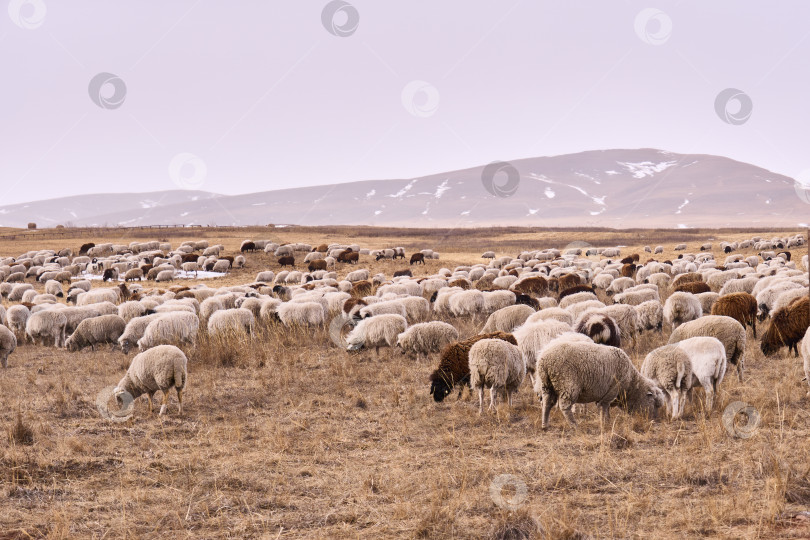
(240, 96)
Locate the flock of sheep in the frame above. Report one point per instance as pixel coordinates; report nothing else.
(562, 320)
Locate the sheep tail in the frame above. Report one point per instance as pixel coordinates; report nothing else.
(681, 374)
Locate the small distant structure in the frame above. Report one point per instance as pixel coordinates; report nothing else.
(32, 226)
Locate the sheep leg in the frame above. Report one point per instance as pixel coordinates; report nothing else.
(548, 403)
(165, 403)
(179, 400)
(565, 407)
(480, 400)
(754, 326)
(492, 397)
(709, 388)
(675, 404)
(740, 369)
(149, 399)
(604, 417)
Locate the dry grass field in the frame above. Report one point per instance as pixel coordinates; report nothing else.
(287, 436)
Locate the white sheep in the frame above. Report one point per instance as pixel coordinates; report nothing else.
(134, 331)
(730, 333)
(16, 317)
(682, 307)
(671, 368)
(556, 313)
(389, 307)
(96, 296)
(229, 321)
(708, 359)
(507, 319)
(130, 310)
(650, 315)
(424, 339)
(159, 368)
(301, 313)
(95, 331)
(636, 297)
(378, 331)
(576, 298)
(533, 337)
(8, 342)
(570, 372)
(497, 364)
(170, 328)
(47, 327)
(467, 303)
(54, 288)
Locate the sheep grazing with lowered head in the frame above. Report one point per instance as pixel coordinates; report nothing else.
(707, 357)
(47, 328)
(417, 258)
(570, 372)
(694, 287)
(787, 327)
(600, 328)
(730, 333)
(740, 306)
(454, 366)
(8, 343)
(378, 331)
(533, 337)
(650, 315)
(160, 368)
(682, 307)
(171, 328)
(498, 365)
(231, 321)
(507, 319)
(96, 331)
(301, 314)
(670, 367)
(424, 339)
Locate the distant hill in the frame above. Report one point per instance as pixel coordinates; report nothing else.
(606, 188)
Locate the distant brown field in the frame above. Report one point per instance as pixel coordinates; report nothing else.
(287, 436)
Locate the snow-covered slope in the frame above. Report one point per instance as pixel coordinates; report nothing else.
(609, 188)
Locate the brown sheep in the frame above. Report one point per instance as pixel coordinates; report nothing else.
(189, 257)
(461, 283)
(629, 270)
(553, 284)
(537, 285)
(323, 248)
(351, 257)
(694, 287)
(351, 302)
(527, 300)
(454, 365)
(569, 280)
(691, 277)
(286, 261)
(362, 288)
(317, 265)
(86, 247)
(247, 246)
(788, 326)
(577, 289)
(417, 258)
(405, 272)
(740, 306)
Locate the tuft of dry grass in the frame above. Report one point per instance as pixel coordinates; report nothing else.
(21, 432)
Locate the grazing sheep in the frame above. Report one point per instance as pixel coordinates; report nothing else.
(16, 318)
(682, 307)
(570, 372)
(301, 314)
(636, 297)
(390, 307)
(670, 367)
(134, 331)
(96, 331)
(650, 315)
(555, 313)
(170, 328)
(575, 298)
(97, 296)
(600, 328)
(694, 287)
(54, 288)
(730, 333)
(159, 368)
(708, 359)
(8, 342)
(467, 303)
(533, 337)
(378, 331)
(426, 338)
(417, 258)
(133, 274)
(740, 306)
(626, 318)
(286, 260)
(507, 319)
(47, 328)
(454, 366)
(231, 321)
(787, 327)
(498, 365)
